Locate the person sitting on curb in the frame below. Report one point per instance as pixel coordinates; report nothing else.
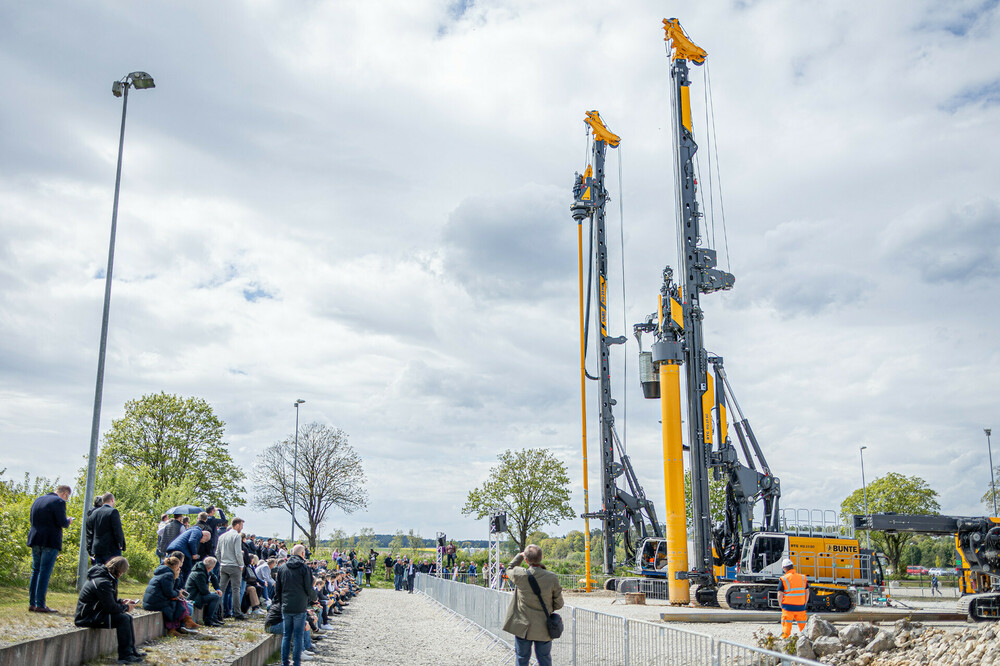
(162, 595)
(100, 608)
(201, 596)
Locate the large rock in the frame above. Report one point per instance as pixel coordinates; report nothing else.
(883, 641)
(826, 645)
(817, 627)
(858, 633)
(804, 648)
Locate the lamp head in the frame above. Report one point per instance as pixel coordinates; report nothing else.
(987, 431)
(299, 402)
(863, 448)
(141, 80)
(117, 88)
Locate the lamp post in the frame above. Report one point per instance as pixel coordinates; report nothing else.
(864, 493)
(295, 466)
(993, 484)
(120, 88)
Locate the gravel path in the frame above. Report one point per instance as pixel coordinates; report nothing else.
(389, 627)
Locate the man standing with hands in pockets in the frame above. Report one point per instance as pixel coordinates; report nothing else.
(537, 593)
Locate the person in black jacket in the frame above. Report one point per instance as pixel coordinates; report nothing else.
(162, 594)
(88, 525)
(106, 539)
(171, 531)
(48, 519)
(99, 607)
(200, 594)
(293, 587)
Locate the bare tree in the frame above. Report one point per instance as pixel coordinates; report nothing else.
(330, 474)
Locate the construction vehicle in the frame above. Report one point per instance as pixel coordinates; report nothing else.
(830, 557)
(977, 542)
(624, 512)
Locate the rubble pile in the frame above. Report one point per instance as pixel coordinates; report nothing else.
(902, 643)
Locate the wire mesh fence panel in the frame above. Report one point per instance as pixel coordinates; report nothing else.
(599, 638)
(734, 654)
(651, 643)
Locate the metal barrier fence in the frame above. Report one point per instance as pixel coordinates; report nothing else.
(599, 639)
(653, 588)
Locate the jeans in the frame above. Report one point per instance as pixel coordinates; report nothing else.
(43, 560)
(210, 602)
(543, 651)
(294, 627)
(307, 641)
(398, 582)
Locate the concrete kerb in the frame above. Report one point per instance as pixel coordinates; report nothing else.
(260, 652)
(76, 646)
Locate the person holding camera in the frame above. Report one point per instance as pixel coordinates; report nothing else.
(531, 615)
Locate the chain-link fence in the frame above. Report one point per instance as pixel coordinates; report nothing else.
(600, 639)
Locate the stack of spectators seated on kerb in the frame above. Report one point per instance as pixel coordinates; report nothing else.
(212, 566)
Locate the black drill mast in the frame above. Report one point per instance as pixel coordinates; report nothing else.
(622, 511)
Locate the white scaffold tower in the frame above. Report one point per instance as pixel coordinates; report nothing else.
(440, 540)
(498, 527)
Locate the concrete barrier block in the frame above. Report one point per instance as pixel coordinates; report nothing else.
(75, 646)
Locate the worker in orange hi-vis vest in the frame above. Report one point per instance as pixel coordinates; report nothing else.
(793, 594)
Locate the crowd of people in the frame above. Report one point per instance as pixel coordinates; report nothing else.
(213, 566)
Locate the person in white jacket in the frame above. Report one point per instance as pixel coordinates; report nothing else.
(229, 550)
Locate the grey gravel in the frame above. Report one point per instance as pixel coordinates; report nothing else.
(388, 627)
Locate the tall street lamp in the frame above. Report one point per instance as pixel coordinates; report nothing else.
(120, 88)
(993, 483)
(295, 466)
(864, 493)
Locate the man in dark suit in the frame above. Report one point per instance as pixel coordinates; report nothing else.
(105, 538)
(48, 519)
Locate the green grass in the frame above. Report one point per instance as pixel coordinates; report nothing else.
(17, 623)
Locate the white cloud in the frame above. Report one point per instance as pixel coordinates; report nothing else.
(368, 208)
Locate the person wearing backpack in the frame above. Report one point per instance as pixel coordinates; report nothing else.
(531, 615)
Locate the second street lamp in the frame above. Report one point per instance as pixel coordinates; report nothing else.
(295, 467)
(139, 81)
(864, 493)
(993, 484)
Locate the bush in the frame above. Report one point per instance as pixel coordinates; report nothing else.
(15, 523)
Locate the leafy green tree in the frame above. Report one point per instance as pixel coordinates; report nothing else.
(364, 542)
(166, 440)
(416, 542)
(338, 539)
(531, 485)
(987, 498)
(716, 498)
(398, 542)
(893, 493)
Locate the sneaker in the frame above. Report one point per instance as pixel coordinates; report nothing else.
(326, 627)
(131, 659)
(306, 657)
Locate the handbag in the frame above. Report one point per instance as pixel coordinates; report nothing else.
(553, 622)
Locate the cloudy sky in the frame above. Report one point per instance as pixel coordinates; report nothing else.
(366, 205)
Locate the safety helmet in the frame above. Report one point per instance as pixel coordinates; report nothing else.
(787, 563)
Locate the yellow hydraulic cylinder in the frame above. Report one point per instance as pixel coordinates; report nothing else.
(673, 481)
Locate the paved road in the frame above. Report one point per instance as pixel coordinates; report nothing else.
(387, 627)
